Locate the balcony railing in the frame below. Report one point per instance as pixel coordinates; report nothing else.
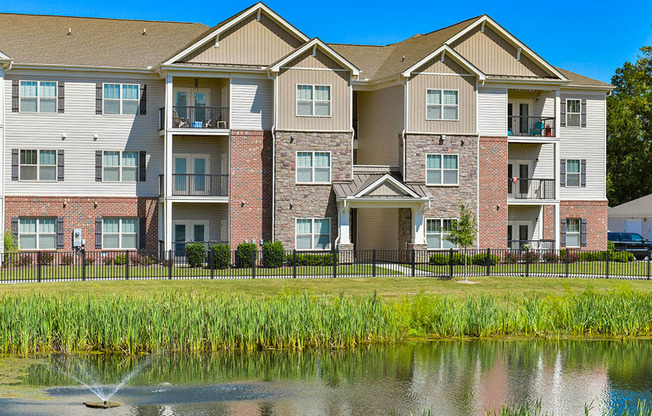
(533, 244)
(531, 126)
(528, 188)
(197, 117)
(196, 185)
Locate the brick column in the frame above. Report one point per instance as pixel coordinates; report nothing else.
(492, 218)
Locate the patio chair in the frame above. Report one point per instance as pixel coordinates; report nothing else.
(178, 121)
(538, 129)
(207, 124)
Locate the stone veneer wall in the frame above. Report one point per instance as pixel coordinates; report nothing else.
(493, 215)
(308, 201)
(595, 213)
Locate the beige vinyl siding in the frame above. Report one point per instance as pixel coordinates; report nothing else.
(80, 123)
(449, 66)
(215, 147)
(340, 118)
(216, 214)
(250, 42)
(417, 101)
(252, 104)
(492, 111)
(218, 89)
(541, 156)
(494, 55)
(380, 122)
(587, 143)
(307, 60)
(377, 229)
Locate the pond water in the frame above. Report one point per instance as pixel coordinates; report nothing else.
(448, 377)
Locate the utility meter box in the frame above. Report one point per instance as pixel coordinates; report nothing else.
(77, 238)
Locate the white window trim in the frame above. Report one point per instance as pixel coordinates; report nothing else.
(121, 99)
(296, 167)
(568, 113)
(312, 235)
(330, 102)
(457, 179)
(441, 112)
(120, 233)
(578, 173)
(425, 232)
(38, 166)
(578, 232)
(38, 97)
(121, 166)
(38, 238)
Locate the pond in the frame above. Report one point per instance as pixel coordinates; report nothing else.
(447, 377)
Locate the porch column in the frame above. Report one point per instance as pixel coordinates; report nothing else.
(167, 165)
(344, 226)
(418, 229)
(168, 225)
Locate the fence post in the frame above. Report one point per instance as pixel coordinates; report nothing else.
(488, 261)
(414, 261)
(211, 263)
(253, 263)
(373, 263)
(649, 260)
(527, 262)
(450, 263)
(294, 263)
(334, 262)
(607, 264)
(170, 260)
(126, 265)
(38, 262)
(566, 262)
(83, 264)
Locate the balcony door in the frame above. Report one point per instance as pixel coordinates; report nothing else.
(521, 171)
(188, 231)
(191, 174)
(190, 103)
(518, 113)
(519, 233)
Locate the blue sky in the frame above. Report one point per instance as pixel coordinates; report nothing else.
(589, 37)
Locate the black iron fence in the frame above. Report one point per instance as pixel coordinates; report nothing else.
(42, 266)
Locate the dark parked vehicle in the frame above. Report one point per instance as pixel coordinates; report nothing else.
(632, 242)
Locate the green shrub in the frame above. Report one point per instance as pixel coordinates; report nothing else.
(67, 260)
(221, 256)
(611, 246)
(444, 259)
(120, 260)
(481, 259)
(273, 254)
(311, 259)
(592, 256)
(244, 254)
(10, 243)
(148, 260)
(573, 256)
(550, 257)
(510, 258)
(46, 258)
(530, 256)
(196, 254)
(621, 256)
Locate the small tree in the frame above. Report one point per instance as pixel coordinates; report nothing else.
(463, 233)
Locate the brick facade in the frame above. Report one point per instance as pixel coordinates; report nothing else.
(305, 201)
(493, 215)
(548, 222)
(251, 186)
(81, 212)
(595, 213)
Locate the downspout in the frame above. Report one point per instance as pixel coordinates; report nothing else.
(405, 122)
(275, 79)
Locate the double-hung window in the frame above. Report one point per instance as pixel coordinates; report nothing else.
(313, 100)
(120, 233)
(573, 113)
(437, 230)
(442, 104)
(313, 233)
(121, 98)
(442, 169)
(313, 167)
(38, 96)
(120, 166)
(38, 165)
(573, 233)
(573, 172)
(37, 233)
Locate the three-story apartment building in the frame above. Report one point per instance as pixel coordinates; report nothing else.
(147, 135)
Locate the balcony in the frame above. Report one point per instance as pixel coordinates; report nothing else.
(196, 117)
(528, 188)
(531, 126)
(541, 244)
(196, 185)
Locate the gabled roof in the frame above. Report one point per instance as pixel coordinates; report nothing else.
(364, 185)
(213, 32)
(314, 44)
(641, 207)
(456, 56)
(582, 81)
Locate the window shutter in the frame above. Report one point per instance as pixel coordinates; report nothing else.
(60, 165)
(14, 96)
(583, 110)
(61, 97)
(142, 166)
(59, 232)
(14, 164)
(143, 99)
(98, 166)
(583, 173)
(98, 232)
(14, 228)
(562, 232)
(583, 232)
(562, 172)
(562, 112)
(98, 98)
(142, 238)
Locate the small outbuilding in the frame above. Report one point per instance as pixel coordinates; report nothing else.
(632, 217)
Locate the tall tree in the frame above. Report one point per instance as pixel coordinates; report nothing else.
(629, 131)
(463, 233)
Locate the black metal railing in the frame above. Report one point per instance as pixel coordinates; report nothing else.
(529, 188)
(541, 244)
(531, 126)
(200, 117)
(188, 184)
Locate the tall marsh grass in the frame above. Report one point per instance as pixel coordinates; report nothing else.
(207, 322)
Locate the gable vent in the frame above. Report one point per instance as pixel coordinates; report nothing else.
(144, 31)
(69, 31)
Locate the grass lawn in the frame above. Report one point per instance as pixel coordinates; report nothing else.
(387, 287)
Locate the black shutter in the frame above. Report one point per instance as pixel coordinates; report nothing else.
(583, 110)
(98, 98)
(98, 166)
(562, 232)
(142, 238)
(562, 172)
(583, 173)
(14, 229)
(60, 232)
(60, 162)
(14, 96)
(142, 166)
(143, 99)
(61, 97)
(562, 112)
(583, 232)
(14, 164)
(98, 232)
